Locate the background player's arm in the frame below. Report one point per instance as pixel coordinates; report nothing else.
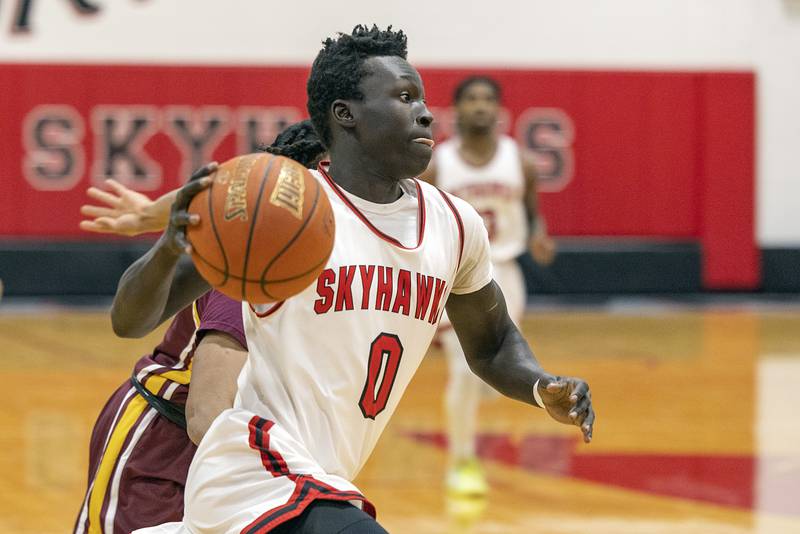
(542, 247)
(217, 362)
(164, 280)
(500, 356)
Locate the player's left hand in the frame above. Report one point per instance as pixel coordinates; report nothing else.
(174, 236)
(569, 401)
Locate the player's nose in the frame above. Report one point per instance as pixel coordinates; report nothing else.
(425, 118)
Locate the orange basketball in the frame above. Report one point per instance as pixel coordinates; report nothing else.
(266, 229)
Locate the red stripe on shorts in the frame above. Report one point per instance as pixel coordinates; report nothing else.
(307, 488)
(259, 440)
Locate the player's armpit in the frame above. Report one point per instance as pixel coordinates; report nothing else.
(217, 362)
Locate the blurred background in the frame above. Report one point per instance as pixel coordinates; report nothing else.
(667, 138)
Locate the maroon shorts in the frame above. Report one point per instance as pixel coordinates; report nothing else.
(138, 461)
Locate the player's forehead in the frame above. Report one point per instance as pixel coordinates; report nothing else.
(387, 72)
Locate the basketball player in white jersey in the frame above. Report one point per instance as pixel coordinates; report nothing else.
(327, 367)
(498, 179)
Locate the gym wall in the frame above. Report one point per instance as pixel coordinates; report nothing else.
(664, 129)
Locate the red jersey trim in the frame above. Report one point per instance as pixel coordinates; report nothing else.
(373, 228)
(272, 309)
(459, 223)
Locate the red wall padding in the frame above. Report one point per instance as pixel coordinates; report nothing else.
(656, 154)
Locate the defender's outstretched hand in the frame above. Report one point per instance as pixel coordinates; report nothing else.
(179, 217)
(123, 211)
(568, 400)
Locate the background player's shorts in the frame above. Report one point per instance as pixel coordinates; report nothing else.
(138, 462)
(250, 475)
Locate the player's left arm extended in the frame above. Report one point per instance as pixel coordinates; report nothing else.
(499, 355)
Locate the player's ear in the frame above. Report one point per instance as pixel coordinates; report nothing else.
(343, 113)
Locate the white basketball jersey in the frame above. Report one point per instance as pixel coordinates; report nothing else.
(496, 190)
(329, 365)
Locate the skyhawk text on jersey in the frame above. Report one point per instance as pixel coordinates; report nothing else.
(395, 290)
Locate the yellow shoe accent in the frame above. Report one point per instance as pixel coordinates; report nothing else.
(466, 479)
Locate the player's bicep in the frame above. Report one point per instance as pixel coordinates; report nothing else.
(217, 362)
(480, 320)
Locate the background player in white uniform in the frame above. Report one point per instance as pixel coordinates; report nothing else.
(327, 367)
(498, 179)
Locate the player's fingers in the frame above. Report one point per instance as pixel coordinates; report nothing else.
(587, 427)
(99, 226)
(182, 242)
(184, 218)
(88, 226)
(117, 187)
(188, 191)
(205, 170)
(103, 196)
(579, 411)
(97, 211)
(579, 390)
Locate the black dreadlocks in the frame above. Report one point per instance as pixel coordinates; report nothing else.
(339, 67)
(299, 142)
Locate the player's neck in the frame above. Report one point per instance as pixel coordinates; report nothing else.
(364, 181)
(478, 148)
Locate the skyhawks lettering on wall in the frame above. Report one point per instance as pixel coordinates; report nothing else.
(57, 145)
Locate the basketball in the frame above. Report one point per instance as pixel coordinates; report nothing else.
(266, 229)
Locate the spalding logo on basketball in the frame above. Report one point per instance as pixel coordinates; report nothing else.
(266, 229)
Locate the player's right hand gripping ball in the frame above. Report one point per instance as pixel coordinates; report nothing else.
(266, 229)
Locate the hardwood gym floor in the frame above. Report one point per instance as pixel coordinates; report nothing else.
(697, 430)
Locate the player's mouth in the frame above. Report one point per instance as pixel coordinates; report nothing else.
(425, 141)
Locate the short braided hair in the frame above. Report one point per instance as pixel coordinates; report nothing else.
(339, 67)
